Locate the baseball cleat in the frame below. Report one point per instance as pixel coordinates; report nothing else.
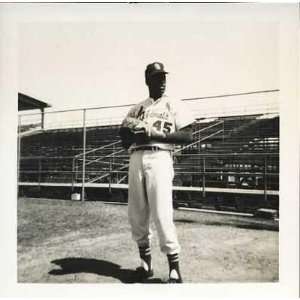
(141, 274)
(173, 280)
(174, 277)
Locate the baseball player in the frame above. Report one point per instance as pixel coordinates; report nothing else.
(149, 132)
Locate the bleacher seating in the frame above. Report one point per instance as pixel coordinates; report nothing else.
(241, 148)
(224, 145)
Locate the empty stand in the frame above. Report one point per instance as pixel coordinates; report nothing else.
(230, 153)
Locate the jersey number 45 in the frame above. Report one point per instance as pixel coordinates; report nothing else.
(162, 126)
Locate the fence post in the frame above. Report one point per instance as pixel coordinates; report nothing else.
(223, 131)
(19, 153)
(265, 180)
(39, 174)
(73, 174)
(199, 145)
(76, 170)
(113, 159)
(203, 179)
(42, 118)
(83, 160)
(110, 169)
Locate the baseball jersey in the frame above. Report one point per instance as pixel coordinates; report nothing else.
(165, 114)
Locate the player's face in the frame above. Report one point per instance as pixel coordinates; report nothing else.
(157, 85)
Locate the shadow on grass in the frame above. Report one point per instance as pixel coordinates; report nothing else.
(253, 226)
(75, 265)
(271, 227)
(184, 221)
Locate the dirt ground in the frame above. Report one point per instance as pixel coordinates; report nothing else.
(90, 242)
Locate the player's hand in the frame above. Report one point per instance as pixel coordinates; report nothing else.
(154, 133)
(127, 137)
(140, 136)
(141, 126)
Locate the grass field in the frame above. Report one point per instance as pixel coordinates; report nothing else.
(74, 242)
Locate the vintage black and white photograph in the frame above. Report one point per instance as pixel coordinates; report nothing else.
(148, 146)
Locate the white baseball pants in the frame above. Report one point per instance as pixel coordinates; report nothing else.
(150, 193)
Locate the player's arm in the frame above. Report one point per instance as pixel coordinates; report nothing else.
(182, 136)
(126, 132)
(130, 136)
(133, 131)
(127, 137)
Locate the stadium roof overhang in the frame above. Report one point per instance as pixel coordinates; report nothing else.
(28, 103)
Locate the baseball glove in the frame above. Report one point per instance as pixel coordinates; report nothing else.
(132, 135)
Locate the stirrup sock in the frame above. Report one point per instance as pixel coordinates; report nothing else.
(173, 260)
(145, 255)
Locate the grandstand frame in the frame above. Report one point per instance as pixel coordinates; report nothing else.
(204, 175)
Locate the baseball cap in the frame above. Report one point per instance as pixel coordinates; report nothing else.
(155, 68)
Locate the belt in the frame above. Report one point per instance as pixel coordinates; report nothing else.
(148, 148)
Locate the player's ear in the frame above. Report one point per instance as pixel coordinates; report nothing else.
(146, 79)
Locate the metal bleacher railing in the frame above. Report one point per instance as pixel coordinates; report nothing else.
(120, 167)
(231, 171)
(108, 164)
(225, 154)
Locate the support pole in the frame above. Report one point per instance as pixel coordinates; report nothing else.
(223, 131)
(40, 172)
(110, 170)
(73, 174)
(199, 144)
(203, 180)
(19, 153)
(42, 118)
(265, 181)
(83, 161)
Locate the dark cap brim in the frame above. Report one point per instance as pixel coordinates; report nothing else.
(158, 72)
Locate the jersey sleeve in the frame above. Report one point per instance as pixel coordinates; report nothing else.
(130, 118)
(182, 114)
